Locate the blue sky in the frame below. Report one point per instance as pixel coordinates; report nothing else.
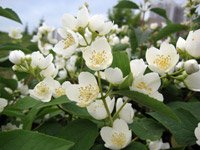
(31, 11)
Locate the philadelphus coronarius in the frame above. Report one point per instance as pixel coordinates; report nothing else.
(43, 91)
(164, 60)
(114, 75)
(15, 33)
(68, 45)
(127, 112)
(98, 56)
(98, 24)
(118, 136)
(85, 92)
(138, 67)
(16, 56)
(3, 103)
(191, 45)
(97, 109)
(197, 134)
(74, 23)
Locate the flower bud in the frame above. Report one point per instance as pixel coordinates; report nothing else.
(180, 44)
(16, 56)
(191, 66)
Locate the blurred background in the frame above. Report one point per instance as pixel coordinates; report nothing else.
(32, 12)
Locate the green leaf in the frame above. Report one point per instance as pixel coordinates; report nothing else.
(28, 140)
(161, 12)
(127, 4)
(29, 118)
(136, 146)
(82, 132)
(149, 102)
(168, 30)
(127, 82)
(121, 60)
(146, 128)
(10, 83)
(183, 130)
(133, 40)
(197, 20)
(120, 47)
(11, 46)
(10, 14)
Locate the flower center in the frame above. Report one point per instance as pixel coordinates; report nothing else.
(118, 139)
(98, 58)
(143, 86)
(163, 62)
(69, 41)
(87, 94)
(59, 92)
(42, 89)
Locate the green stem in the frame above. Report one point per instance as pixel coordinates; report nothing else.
(118, 111)
(109, 89)
(104, 100)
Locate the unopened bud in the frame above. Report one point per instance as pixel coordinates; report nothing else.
(16, 56)
(191, 66)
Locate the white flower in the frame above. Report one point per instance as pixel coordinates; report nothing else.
(158, 145)
(71, 63)
(23, 88)
(193, 44)
(125, 40)
(97, 109)
(118, 136)
(181, 44)
(10, 126)
(191, 66)
(38, 60)
(62, 74)
(114, 76)
(15, 33)
(98, 24)
(3, 103)
(73, 23)
(127, 112)
(164, 60)
(50, 71)
(197, 134)
(85, 92)
(68, 45)
(154, 25)
(43, 90)
(98, 56)
(59, 89)
(148, 84)
(138, 67)
(192, 81)
(16, 56)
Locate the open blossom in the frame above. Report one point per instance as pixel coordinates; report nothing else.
(74, 23)
(158, 145)
(38, 60)
(192, 81)
(138, 67)
(43, 91)
(97, 109)
(164, 60)
(114, 75)
(3, 103)
(85, 92)
(98, 56)
(50, 71)
(68, 45)
(15, 33)
(127, 112)
(16, 56)
(98, 24)
(148, 84)
(59, 90)
(197, 134)
(118, 136)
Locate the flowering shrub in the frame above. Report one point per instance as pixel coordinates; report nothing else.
(99, 85)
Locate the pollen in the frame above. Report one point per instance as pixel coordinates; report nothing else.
(162, 62)
(88, 94)
(69, 41)
(98, 58)
(143, 86)
(118, 139)
(59, 92)
(42, 89)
